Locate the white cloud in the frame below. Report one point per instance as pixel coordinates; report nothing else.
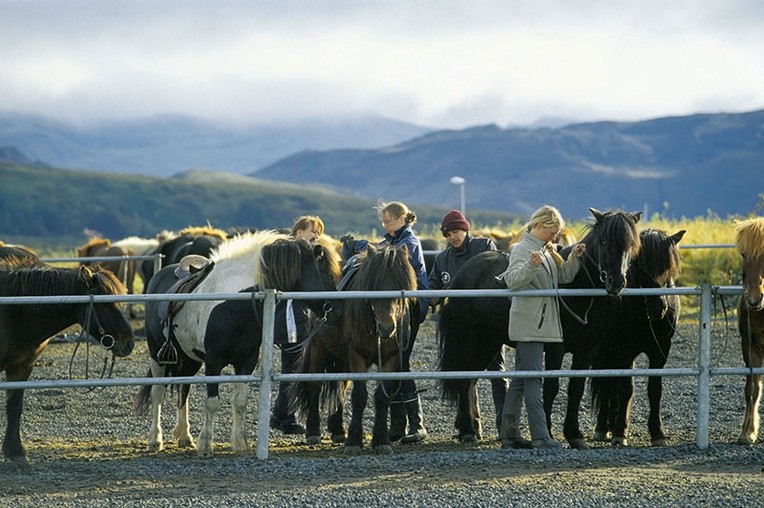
(444, 63)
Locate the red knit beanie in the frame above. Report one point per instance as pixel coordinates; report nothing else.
(453, 220)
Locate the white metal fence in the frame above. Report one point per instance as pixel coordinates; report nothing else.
(703, 370)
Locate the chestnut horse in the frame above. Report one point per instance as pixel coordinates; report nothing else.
(750, 315)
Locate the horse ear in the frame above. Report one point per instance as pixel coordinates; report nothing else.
(636, 216)
(676, 237)
(597, 214)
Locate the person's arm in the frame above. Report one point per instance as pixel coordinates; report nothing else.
(569, 269)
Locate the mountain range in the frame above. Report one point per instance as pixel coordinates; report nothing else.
(677, 166)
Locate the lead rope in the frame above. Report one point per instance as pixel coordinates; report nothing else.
(585, 320)
(401, 349)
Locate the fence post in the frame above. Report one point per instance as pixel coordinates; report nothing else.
(157, 263)
(266, 374)
(704, 366)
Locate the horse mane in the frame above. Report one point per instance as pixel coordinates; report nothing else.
(332, 259)
(659, 254)
(750, 237)
(245, 244)
(83, 250)
(195, 231)
(380, 264)
(29, 278)
(615, 225)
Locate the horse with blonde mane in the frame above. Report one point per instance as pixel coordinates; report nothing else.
(750, 314)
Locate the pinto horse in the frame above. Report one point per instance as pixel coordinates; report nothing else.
(645, 324)
(750, 314)
(228, 333)
(373, 331)
(472, 331)
(25, 329)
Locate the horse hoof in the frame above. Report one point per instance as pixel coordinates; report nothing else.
(339, 438)
(746, 440)
(312, 440)
(186, 443)
(383, 450)
(155, 447)
(601, 436)
(468, 438)
(351, 450)
(578, 444)
(661, 441)
(619, 441)
(21, 461)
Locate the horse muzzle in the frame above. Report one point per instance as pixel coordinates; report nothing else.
(754, 304)
(121, 346)
(386, 331)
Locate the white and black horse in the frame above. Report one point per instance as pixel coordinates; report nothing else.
(226, 333)
(25, 329)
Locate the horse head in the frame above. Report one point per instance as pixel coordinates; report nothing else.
(611, 243)
(750, 245)
(388, 269)
(107, 319)
(656, 266)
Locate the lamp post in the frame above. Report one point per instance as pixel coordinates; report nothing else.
(458, 180)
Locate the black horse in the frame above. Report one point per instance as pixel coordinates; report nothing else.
(25, 329)
(473, 330)
(645, 324)
(195, 240)
(373, 331)
(227, 333)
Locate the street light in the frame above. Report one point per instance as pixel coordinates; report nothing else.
(458, 180)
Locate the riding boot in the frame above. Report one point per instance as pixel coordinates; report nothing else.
(417, 432)
(510, 433)
(397, 420)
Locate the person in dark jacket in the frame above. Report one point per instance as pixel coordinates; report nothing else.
(461, 247)
(397, 221)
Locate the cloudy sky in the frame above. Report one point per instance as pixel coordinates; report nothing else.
(437, 63)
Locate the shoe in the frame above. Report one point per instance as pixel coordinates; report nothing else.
(546, 443)
(516, 443)
(415, 437)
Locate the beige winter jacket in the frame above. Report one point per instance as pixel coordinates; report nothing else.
(536, 318)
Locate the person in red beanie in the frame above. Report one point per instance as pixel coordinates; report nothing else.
(461, 247)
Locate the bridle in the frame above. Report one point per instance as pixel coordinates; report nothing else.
(106, 341)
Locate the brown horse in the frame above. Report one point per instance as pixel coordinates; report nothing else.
(750, 312)
(124, 269)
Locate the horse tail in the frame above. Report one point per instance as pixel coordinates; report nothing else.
(142, 399)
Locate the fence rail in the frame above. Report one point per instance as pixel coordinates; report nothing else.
(266, 377)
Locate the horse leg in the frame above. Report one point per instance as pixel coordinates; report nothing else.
(475, 419)
(620, 410)
(464, 422)
(358, 399)
(238, 412)
(576, 385)
(753, 357)
(499, 388)
(654, 395)
(335, 422)
(603, 428)
(211, 406)
(156, 437)
(12, 447)
(380, 441)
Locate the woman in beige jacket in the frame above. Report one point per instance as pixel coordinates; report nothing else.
(533, 321)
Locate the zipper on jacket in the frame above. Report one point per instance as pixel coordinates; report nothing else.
(543, 313)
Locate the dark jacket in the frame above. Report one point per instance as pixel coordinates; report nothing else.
(450, 260)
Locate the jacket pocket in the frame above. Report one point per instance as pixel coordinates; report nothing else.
(543, 315)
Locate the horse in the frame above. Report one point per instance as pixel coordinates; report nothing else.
(124, 269)
(191, 240)
(472, 331)
(372, 331)
(749, 241)
(645, 324)
(218, 334)
(25, 329)
(8, 251)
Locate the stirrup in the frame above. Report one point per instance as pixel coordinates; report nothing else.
(168, 354)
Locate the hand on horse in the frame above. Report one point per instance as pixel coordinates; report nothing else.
(349, 243)
(579, 249)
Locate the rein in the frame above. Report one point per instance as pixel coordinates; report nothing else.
(603, 274)
(106, 341)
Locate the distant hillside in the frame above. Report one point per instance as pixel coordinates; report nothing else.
(166, 145)
(41, 201)
(683, 166)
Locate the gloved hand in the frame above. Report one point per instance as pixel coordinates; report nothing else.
(348, 243)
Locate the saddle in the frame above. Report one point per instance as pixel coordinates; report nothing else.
(191, 271)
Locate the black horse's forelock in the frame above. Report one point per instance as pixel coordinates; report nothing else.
(614, 226)
(659, 256)
(281, 264)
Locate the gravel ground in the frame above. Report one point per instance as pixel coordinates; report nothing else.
(88, 449)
